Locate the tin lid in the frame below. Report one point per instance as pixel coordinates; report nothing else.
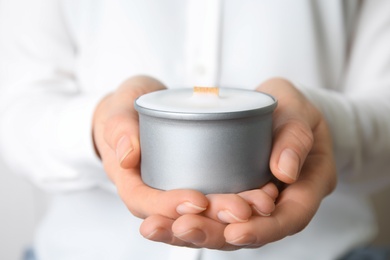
(184, 104)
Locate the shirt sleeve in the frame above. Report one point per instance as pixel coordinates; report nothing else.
(358, 111)
(45, 116)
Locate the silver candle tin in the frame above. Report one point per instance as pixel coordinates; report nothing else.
(224, 152)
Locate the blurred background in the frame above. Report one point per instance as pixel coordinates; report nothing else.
(22, 206)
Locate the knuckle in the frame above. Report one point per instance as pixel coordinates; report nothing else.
(302, 135)
(113, 128)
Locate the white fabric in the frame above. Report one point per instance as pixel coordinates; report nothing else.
(60, 57)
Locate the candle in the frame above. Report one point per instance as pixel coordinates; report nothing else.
(209, 139)
(186, 100)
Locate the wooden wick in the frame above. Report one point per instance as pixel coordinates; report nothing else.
(206, 90)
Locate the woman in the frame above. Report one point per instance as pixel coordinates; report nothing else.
(67, 122)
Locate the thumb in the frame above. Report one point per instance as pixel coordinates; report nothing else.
(295, 119)
(121, 127)
(122, 135)
(293, 141)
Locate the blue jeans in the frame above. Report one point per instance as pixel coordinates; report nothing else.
(29, 254)
(368, 253)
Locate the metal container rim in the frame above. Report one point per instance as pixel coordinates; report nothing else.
(207, 116)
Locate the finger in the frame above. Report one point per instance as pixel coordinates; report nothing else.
(120, 126)
(295, 118)
(201, 231)
(296, 204)
(262, 204)
(296, 207)
(158, 228)
(121, 133)
(293, 141)
(143, 201)
(227, 208)
(271, 189)
(287, 219)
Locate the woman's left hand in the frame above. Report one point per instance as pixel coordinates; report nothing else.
(301, 157)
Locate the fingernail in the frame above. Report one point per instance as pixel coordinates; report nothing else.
(261, 213)
(123, 148)
(227, 217)
(243, 240)
(152, 234)
(159, 234)
(189, 208)
(194, 236)
(289, 163)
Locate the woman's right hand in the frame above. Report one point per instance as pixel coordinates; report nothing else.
(116, 137)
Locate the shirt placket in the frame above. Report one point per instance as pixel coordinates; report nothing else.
(203, 42)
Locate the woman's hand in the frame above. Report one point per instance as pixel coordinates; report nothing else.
(116, 136)
(301, 157)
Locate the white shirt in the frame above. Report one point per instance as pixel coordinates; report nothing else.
(59, 58)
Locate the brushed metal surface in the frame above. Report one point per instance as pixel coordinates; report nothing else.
(225, 155)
